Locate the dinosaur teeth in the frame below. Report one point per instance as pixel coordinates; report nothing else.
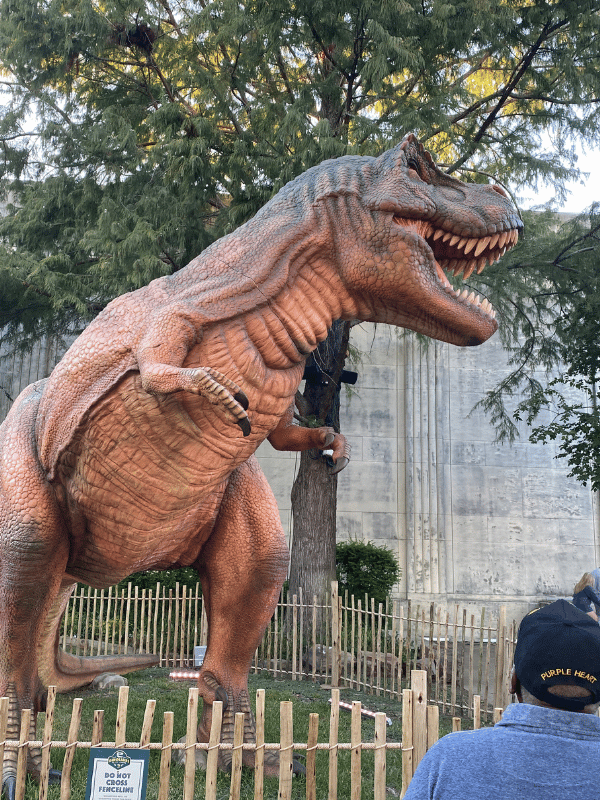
(481, 245)
(438, 234)
(469, 270)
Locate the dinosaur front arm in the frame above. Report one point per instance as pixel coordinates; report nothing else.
(288, 436)
(168, 338)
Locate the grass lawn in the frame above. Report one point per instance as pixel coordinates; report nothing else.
(307, 698)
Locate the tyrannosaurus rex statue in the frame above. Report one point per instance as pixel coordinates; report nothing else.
(137, 452)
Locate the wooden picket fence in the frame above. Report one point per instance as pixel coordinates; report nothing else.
(420, 730)
(346, 642)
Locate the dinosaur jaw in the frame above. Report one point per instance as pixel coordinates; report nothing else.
(454, 254)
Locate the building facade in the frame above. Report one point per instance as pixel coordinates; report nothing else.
(471, 521)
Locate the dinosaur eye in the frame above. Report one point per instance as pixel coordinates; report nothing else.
(412, 163)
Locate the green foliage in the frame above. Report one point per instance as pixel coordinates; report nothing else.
(364, 568)
(134, 135)
(184, 576)
(565, 410)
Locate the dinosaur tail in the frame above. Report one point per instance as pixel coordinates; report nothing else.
(71, 671)
(67, 671)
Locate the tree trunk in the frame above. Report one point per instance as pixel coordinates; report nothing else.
(314, 494)
(314, 503)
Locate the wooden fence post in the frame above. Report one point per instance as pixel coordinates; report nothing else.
(47, 738)
(259, 757)
(236, 756)
(355, 751)
(418, 683)
(147, 723)
(476, 712)
(65, 781)
(407, 739)
(333, 742)
(286, 754)
(165, 756)
(22, 753)
(190, 744)
(212, 757)
(336, 655)
(3, 725)
(311, 761)
(379, 771)
(121, 725)
(433, 725)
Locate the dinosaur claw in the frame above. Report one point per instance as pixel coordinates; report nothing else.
(9, 787)
(221, 695)
(328, 440)
(245, 425)
(338, 466)
(241, 398)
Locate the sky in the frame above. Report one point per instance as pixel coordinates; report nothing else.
(582, 193)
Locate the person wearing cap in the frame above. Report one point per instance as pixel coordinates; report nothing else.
(547, 746)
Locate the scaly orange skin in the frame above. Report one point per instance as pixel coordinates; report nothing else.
(137, 452)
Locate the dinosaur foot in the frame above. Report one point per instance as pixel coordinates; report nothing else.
(271, 764)
(232, 705)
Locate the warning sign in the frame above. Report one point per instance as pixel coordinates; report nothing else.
(117, 774)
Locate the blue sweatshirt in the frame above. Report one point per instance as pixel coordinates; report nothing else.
(534, 753)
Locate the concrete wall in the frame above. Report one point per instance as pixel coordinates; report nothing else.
(471, 521)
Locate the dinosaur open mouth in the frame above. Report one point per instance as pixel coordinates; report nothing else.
(455, 254)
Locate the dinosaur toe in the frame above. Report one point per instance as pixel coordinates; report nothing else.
(241, 398)
(244, 425)
(338, 465)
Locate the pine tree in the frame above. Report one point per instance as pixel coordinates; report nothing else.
(134, 134)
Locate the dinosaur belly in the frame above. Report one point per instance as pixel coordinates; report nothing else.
(142, 485)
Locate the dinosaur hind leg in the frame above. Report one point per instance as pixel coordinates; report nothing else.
(34, 548)
(244, 564)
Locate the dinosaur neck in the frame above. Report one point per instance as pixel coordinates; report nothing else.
(298, 318)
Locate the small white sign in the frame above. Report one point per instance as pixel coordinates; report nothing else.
(117, 774)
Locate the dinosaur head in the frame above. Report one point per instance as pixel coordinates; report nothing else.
(422, 226)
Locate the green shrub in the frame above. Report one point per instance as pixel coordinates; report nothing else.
(363, 568)
(185, 576)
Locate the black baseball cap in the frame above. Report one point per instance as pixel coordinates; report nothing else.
(559, 644)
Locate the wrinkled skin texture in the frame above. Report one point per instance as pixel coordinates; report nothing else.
(137, 452)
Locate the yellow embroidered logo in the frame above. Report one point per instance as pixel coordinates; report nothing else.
(577, 673)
